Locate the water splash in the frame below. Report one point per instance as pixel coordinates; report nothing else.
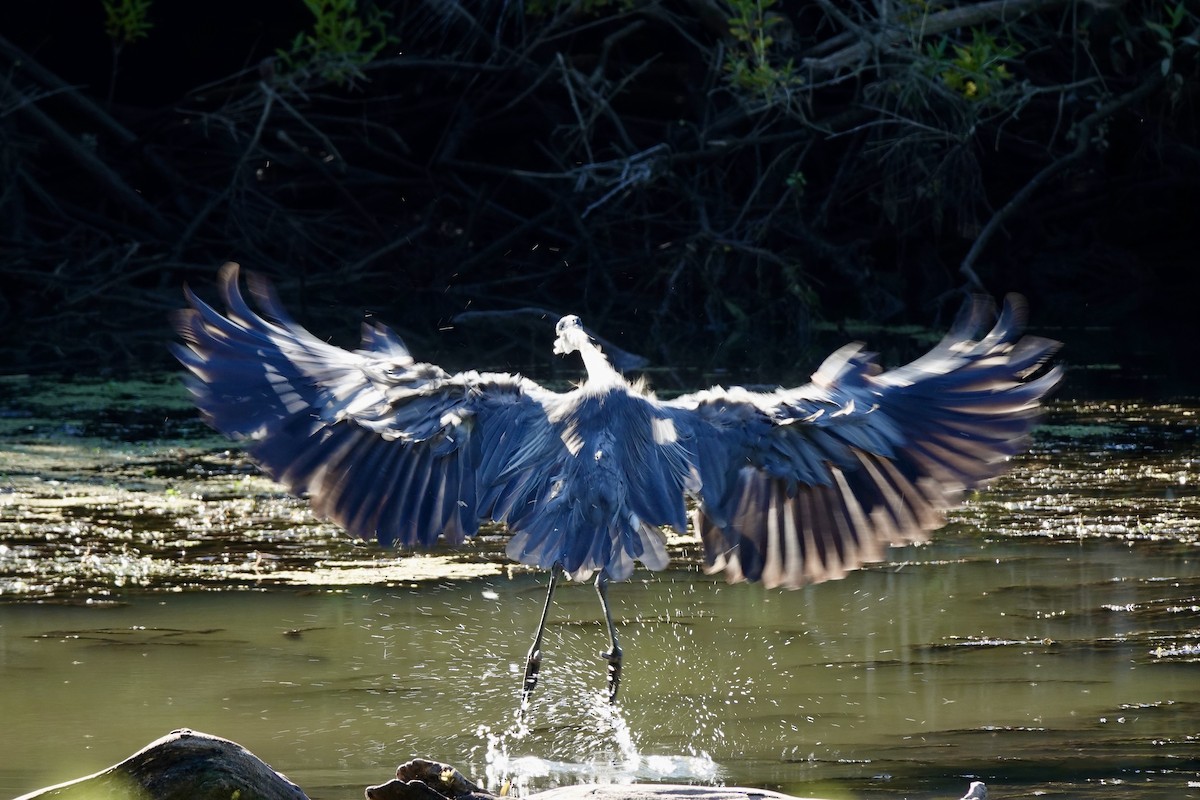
(602, 749)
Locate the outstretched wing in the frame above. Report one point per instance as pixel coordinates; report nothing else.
(798, 486)
(387, 447)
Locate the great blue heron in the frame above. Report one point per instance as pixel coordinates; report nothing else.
(790, 487)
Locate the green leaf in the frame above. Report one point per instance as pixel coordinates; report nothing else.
(1159, 28)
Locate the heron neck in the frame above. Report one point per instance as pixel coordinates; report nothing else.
(598, 368)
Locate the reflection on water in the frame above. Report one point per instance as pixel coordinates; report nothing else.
(1046, 642)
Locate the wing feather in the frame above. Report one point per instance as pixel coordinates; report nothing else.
(801, 485)
(387, 447)
(793, 486)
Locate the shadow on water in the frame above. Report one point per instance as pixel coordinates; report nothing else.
(1045, 642)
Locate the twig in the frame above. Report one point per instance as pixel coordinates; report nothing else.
(961, 17)
(56, 85)
(1083, 139)
(23, 62)
(636, 169)
(101, 172)
(329, 146)
(569, 84)
(395, 244)
(609, 42)
(221, 196)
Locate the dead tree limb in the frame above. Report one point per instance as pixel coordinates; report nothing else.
(101, 172)
(22, 62)
(931, 25)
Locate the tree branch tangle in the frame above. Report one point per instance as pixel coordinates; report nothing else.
(716, 179)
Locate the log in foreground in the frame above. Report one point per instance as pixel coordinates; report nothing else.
(188, 765)
(183, 765)
(421, 779)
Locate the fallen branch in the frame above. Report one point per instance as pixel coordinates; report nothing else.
(931, 25)
(101, 172)
(22, 62)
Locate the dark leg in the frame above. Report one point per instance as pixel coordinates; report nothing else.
(613, 655)
(533, 662)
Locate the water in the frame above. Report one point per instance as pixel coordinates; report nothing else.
(1047, 642)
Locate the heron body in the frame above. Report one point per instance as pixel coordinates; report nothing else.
(789, 487)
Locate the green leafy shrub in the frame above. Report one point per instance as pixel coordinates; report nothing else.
(341, 42)
(975, 70)
(126, 21)
(750, 62)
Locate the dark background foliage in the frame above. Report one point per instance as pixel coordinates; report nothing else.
(711, 184)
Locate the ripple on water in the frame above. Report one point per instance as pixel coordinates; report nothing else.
(1046, 641)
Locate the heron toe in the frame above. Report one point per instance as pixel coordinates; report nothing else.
(533, 665)
(614, 659)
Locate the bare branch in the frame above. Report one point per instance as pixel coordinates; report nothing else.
(101, 172)
(1083, 140)
(865, 42)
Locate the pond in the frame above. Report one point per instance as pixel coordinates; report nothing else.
(1047, 641)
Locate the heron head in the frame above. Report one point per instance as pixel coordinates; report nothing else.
(571, 335)
(572, 338)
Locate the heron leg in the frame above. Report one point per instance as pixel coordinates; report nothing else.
(533, 662)
(613, 654)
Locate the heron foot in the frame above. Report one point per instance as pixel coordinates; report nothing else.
(533, 665)
(533, 661)
(614, 658)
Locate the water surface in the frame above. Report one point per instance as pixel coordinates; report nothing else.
(1046, 642)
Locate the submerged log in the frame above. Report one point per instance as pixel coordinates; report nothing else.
(188, 765)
